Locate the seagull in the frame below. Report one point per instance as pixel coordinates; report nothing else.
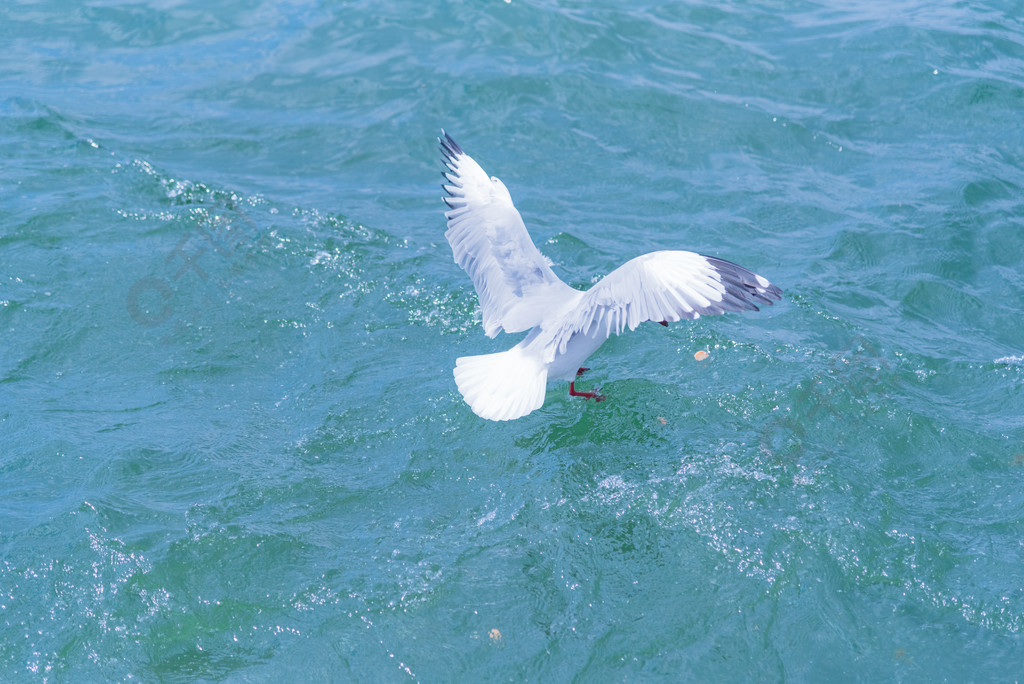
(518, 291)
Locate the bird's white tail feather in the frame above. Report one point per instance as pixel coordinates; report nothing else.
(502, 386)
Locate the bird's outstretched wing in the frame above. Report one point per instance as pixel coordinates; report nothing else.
(665, 286)
(513, 280)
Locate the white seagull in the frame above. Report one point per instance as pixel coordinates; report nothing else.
(518, 291)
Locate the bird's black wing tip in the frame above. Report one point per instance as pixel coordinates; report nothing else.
(448, 144)
(746, 280)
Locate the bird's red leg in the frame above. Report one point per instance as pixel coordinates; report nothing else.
(586, 395)
(664, 323)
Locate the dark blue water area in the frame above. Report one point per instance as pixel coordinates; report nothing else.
(231, 445)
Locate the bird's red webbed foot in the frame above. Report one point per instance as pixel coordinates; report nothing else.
(586, 395)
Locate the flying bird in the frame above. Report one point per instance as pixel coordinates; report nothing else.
(518, 291)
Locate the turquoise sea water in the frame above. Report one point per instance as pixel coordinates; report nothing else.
(231, 447)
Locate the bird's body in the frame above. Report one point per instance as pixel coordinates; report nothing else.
(518, 291)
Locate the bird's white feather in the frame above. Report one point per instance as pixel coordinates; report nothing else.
(502, 386)
(662, 286)
(513, 280)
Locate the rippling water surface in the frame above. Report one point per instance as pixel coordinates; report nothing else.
(232, 447)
